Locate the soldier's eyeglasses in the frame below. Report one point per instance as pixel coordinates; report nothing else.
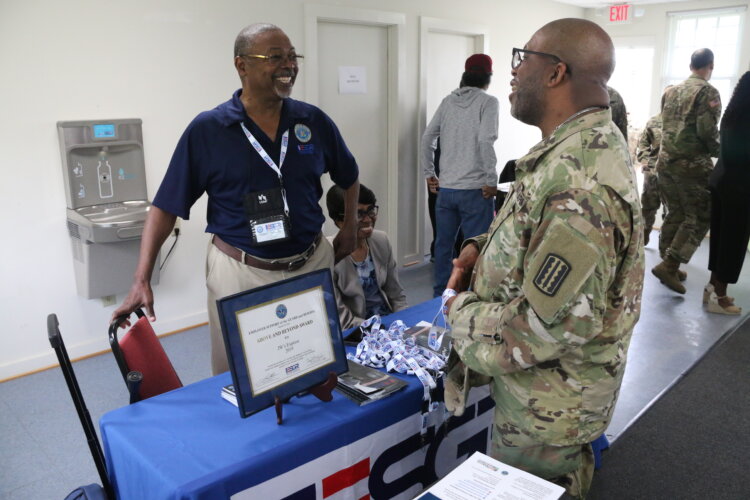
(520, 55)
(276, 58)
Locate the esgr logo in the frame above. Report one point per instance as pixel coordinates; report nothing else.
(395, 462)
(291, 368)
(281, 311)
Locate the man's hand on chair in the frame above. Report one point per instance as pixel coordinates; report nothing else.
(140, 295)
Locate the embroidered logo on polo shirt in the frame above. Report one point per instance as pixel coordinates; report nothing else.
(552, 274)
(302, 132)
(262, 199)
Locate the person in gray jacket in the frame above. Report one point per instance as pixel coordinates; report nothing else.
(366, 281)
(466, 123)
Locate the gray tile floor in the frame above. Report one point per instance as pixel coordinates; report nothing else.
(44, 453)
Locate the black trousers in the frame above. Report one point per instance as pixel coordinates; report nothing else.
(730, 232)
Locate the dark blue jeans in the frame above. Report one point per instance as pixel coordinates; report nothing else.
(464, 208)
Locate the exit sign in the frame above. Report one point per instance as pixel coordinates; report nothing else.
(620, 14)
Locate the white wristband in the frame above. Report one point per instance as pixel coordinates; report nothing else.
(447, 294)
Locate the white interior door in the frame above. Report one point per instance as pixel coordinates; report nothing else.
(633, 79)
(446, 55)
(361, 117)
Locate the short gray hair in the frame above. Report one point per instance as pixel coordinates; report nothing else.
(246, 38)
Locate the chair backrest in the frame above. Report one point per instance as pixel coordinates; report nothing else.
(56, 341)
(139, 350)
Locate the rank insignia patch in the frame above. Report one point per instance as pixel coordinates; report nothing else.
(552, 274)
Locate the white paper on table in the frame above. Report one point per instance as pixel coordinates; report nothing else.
(483, 477)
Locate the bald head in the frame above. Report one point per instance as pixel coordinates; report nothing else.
(701, 59)
(583, 45)
(245, 40)
(565, 69)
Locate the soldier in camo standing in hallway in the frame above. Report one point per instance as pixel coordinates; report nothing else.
(690, 137)
(555, 284)
(647, 153)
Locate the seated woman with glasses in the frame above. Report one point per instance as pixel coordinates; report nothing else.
(366, 280)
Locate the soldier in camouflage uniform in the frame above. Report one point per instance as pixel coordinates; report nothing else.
(690, 137)
(619, 113)
(648, 152)
(556, 282)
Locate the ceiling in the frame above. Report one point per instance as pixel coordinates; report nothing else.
(607, 3)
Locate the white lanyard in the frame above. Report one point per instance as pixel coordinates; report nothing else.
(269, 161)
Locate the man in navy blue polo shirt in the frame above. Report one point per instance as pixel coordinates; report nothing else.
(259, 157)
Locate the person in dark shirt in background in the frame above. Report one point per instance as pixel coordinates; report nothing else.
(730, 201)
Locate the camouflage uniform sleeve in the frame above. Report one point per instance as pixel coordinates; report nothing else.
(644, 145)
(569, 265)
(480, 240)
(708, 111)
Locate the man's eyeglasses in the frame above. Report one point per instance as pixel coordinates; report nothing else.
(519, 56)
(276, 58)
(371, 212)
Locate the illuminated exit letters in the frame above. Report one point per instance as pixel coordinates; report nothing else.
(619, 13)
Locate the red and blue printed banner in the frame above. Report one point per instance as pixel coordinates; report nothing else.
(397, 462)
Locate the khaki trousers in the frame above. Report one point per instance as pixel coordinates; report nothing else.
(226, 276)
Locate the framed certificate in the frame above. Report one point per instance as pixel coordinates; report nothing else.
(282, 339)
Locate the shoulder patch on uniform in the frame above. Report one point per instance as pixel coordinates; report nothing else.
(551, 274)
(714, 103)
(559, 267)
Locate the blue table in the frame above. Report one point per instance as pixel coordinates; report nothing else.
(190, 443)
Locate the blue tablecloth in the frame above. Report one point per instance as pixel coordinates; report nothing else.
(190, 443)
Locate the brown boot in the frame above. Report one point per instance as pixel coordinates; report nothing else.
(681, 274)
(666, 271)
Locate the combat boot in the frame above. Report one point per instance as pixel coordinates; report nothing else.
(666, 271)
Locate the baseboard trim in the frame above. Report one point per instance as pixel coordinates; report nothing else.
(85, 350)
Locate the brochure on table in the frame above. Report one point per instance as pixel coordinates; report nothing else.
(363, 384)
(484, 477)
(282, 339)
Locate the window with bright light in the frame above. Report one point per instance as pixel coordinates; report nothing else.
(632, 78)
(719, 30)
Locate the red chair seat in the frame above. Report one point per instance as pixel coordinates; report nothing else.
(142, 352)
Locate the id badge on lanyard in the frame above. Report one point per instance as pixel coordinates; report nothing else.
(267, 211)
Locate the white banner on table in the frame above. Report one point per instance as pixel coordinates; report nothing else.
(348, 473)
(285, 339)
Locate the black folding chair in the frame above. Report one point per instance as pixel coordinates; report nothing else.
(90, 491)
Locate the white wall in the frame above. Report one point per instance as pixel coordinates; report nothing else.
(161, 61)
(654, 23)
